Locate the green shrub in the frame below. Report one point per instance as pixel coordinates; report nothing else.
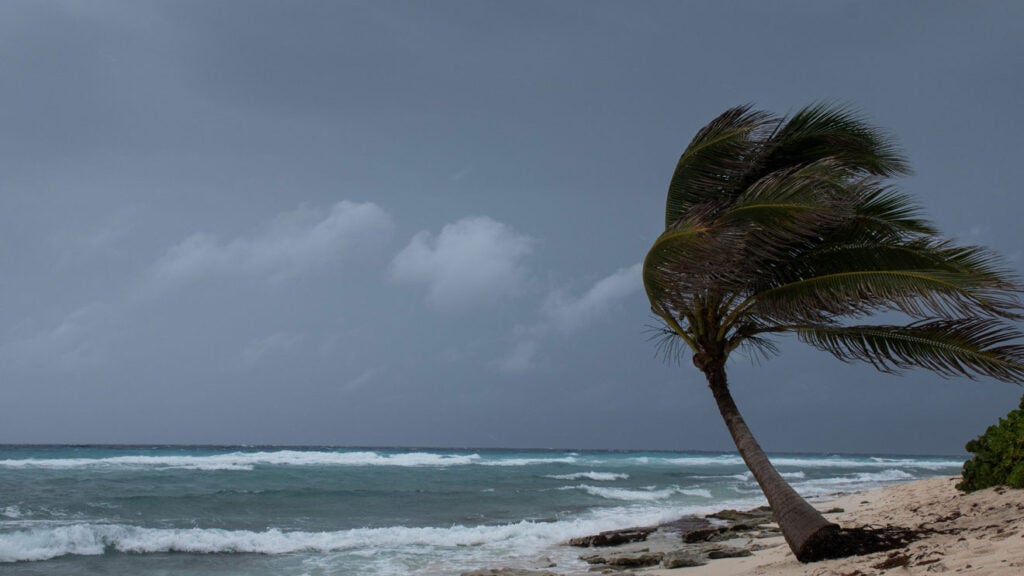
(998, 455)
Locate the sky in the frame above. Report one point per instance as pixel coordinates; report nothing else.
(383, 223)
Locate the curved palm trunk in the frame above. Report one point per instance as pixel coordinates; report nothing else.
(806, 531)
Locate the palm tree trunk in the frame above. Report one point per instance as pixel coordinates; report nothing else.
(806, 531)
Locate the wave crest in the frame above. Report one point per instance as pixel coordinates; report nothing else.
(596, 476)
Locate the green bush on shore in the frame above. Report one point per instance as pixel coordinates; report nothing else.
(998, 455)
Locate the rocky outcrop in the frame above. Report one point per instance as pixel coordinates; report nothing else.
(686, 542)
(613, 537)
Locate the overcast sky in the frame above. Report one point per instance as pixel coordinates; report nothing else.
(421, 223)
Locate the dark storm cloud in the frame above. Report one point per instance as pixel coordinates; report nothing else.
(420, 223)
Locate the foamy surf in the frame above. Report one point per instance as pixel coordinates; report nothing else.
(91, 539)
(595, 476)
(372, 512)
(249, 460)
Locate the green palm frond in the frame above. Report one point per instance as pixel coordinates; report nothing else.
(827, 131)
(708, 168)
(962, 347)
(919, 293)
(772, 223)
(886, 213)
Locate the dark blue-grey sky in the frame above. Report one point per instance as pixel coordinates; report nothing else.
(420, 223)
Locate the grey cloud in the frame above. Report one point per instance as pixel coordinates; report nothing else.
(294, 243)
(147, 146)
(562, 314)
(569, 314)
(77, 342)
(470, 261)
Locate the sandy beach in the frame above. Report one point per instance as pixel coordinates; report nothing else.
(980, 533)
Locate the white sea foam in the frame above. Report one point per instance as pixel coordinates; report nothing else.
(596, 476)
(525, 537)
(11, 512)
(527, 461)
(248, 460)
(806, 462)
(646, 494)
(748, 477)
(866, 478)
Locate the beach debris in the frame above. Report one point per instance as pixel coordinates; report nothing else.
(894, 560)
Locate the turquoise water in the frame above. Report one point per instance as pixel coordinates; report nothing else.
(326, 511)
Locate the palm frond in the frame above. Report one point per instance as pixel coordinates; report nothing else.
(918, 293)
(962, 347)
(884, 212)
(823, 130)
(772, 224)
(707, 170)
(667, 344)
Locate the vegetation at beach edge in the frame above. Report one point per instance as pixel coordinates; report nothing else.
(998, 455)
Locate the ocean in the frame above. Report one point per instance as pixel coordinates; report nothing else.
(175, 511)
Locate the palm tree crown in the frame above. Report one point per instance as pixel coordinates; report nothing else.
(787, 225)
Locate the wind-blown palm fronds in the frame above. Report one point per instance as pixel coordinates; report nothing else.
(777, 225)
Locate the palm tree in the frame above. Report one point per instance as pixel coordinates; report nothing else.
(786, 225)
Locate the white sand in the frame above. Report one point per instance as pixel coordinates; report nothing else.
(982, 534)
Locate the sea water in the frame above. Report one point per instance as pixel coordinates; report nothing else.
(330, 511)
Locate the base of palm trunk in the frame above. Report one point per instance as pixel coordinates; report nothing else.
(832, 541)
(821, 545)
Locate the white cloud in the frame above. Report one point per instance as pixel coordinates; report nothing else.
(570, 314)
(295, 242)
(470, 261)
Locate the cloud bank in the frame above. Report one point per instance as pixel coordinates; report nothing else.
(296, 242)
(472, 261)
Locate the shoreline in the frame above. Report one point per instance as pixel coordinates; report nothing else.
(979, 533)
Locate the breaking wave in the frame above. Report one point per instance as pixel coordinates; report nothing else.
(248, 460)
(93, 539)
(596, 476)
(649, 494)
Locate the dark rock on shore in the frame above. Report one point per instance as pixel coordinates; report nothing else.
(613, 537)
(682, 559)
(760, 515)
(728, 552)
(732, 537)
(638, 560)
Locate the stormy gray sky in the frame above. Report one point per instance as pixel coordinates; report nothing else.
(420, 223)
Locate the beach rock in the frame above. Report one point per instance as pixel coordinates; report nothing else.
(728, 552)
(684, 525)
(704, 534)
(761, 515)
(681, 559)
(613, 537)
(639, 560)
